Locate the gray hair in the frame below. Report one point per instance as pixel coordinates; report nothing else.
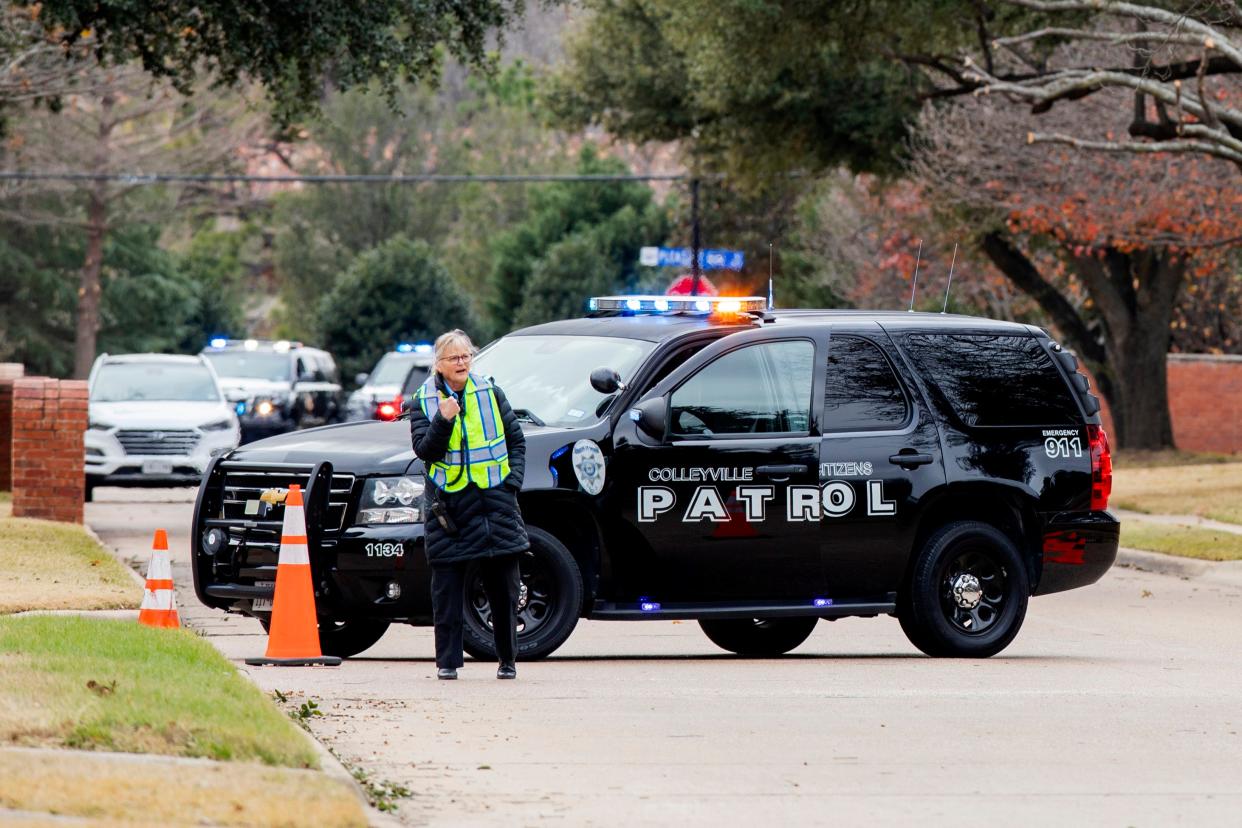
(454, 337)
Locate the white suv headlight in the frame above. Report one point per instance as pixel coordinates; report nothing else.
(391, 500)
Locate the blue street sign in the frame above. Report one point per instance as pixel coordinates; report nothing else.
(680, 257)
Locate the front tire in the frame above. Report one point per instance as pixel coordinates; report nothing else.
(758, 636)
(968, 593)
(548, 607)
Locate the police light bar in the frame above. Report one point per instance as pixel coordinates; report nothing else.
(678, 304)
(280, 346)
(414, 347)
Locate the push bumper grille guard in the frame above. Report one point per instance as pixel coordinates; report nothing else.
(250, 550)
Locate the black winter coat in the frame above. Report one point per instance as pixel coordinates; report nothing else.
(488, 521)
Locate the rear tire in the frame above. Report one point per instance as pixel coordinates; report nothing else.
(549, 607)
(968, 593)
(758, 636)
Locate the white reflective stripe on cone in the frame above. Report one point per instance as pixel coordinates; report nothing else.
(160, 599)
(294, 553)
(160, 568)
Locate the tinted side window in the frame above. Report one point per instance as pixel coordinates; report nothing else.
(862, 393)
(759, 389)
(995, 380)
(327, 368)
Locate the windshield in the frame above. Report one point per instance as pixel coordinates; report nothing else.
(266, 365)
(127, 381)
(391, 369)
(550, 376)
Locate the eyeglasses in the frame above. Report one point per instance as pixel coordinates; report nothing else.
(458, 359)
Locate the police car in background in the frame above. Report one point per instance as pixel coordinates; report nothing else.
(380, 392)
(689, 458)
(278, 386)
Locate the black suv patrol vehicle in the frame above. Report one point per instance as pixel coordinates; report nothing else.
(687, 458)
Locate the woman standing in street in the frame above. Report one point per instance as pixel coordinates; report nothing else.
(467, 436)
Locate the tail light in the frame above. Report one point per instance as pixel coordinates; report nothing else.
(1101, 468)
(388, 410)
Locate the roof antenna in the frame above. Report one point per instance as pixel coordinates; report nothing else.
(950, 284)
(915, 286)
(771, 304)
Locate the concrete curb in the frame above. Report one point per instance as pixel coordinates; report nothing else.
(1186, 568)
(138, 579)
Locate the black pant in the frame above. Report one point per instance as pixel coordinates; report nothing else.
(501, 582)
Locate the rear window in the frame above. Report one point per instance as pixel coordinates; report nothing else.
(995, 380)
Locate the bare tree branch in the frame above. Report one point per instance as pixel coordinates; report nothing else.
(1201, 147)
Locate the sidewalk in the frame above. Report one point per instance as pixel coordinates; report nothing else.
(1180, 520)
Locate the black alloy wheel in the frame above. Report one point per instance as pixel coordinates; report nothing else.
(968, 592)
(761, 637)
(549, 603)
(344, 639)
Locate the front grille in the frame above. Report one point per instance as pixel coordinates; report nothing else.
(248, 484)
(158, 442)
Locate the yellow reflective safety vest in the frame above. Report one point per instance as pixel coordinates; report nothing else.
(477, 452)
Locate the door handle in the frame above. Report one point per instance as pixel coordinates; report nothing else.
(780, 473)
(910, 459)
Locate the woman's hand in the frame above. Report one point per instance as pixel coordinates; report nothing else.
(449, 407)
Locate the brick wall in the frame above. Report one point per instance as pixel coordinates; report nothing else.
(1205, 402)
(9, 371)
(49, 419)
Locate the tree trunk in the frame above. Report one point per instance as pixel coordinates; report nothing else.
(1135, 293)
(90, 289)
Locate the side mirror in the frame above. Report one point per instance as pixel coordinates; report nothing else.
(361, 379)
(651, 416)
(606, 381)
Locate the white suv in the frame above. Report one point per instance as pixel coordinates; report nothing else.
(155, 420)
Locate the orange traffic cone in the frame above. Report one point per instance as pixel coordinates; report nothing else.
(159, 606)
(293, 638)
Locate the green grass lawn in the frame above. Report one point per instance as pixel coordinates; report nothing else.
(1183, 541)
(47, 565)
(1211, 490)
(91, 683)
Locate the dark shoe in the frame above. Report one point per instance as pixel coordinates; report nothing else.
(446, 673)
(506, 671)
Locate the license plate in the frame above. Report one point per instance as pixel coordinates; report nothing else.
(157, 467)
(262, 604)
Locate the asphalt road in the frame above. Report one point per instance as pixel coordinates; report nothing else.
(1119, 704)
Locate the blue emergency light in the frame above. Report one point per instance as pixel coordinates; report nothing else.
(678, 304)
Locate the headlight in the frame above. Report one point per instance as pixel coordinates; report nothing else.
(218, 425)
(391, 500)
(100, 426)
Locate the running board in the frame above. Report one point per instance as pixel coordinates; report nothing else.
(608, 610)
